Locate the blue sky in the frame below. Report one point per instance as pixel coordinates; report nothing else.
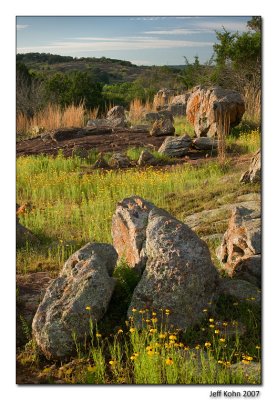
(142, 40)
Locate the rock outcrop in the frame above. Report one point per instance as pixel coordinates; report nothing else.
(240, 250)
(82, 291)
(179, 274)
(253, 175)
(175, 146)
(204, 105)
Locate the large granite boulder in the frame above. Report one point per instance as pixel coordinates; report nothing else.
(179, 274)
(253, 174)
(240, 250)
(82, 291)
(176, 146)
(178, 104)
(203, 109)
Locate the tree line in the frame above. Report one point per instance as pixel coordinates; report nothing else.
(235, 64)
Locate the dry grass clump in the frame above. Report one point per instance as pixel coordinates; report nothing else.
(138, 109)
(53, 117)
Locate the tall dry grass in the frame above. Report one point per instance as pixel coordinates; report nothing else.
(53, 117)
(253, 101)
(138, 109)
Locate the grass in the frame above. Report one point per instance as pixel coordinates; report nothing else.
(53, 117)
(156, 354)
(71, 207)
(182, 127)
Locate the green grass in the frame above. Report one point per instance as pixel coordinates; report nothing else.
(182, 127)
(72, 207)
(156, 354)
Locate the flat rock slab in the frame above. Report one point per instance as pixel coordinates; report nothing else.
(109, 141)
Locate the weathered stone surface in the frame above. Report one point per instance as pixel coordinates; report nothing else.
(178, 104)
(119, 160)
(129, 224)
(175, 146)
(116, 116)
(146, 158)
(253, 174)
(30, 290)
(249, 268)
(179, 274)
(204, 104)
(241, 241)
(163, 96)
(205, 143)
(162, 127)
(99, 123)
(65, 133)
(155, 116)
(85, 280)
(239, 289)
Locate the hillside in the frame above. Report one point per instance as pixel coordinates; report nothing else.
(106, 69)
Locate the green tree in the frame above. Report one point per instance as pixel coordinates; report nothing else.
(238, 63)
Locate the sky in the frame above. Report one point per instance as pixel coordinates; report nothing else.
(143, 40)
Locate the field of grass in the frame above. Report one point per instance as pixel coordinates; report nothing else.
(72, 205)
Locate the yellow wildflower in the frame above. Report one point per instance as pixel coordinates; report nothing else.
(153, 330)
(132, 330)
(169, 361)
(120, 331)
(112, 362)
(88, 308)
(205, 310)
(154, 320)
(211, 320)
(98, 335)
(212, 326)
(162, 335)
(208, 344)
(222, 340)
(154, 314)
(91, 368)
(172, 337)
(225, 323)
(245, 362)
(134, 309)
(216, 331)
(197, 347)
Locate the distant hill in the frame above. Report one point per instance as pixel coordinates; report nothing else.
(107, 70)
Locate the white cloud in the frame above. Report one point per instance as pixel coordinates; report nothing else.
(106, 44)
(20, 27)
(217, 25)
(178, 31)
